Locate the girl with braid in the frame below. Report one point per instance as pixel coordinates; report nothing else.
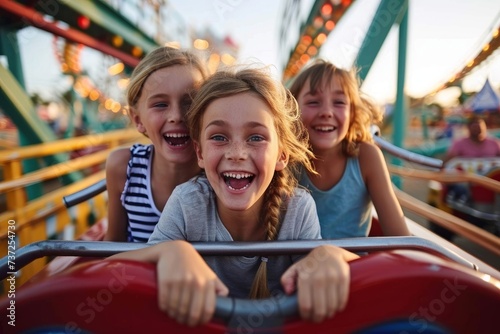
(249, 141)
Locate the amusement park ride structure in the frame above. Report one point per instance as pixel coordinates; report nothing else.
(410, 271)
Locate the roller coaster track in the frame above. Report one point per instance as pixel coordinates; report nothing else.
(39, 20)
(486, 51)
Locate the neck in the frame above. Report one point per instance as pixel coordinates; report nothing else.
(243, 225)
(173, 173)
(478, 139)
(325, 158)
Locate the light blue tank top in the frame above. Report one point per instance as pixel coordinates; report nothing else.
(344, 210)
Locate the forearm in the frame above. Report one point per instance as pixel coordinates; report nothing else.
(334, 252)
(346, 255)
(152, 253)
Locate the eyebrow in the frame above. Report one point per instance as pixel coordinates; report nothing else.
(338, 91)
(159, 95)
(219, 122)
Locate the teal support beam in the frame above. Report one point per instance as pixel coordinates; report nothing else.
(18, 106)
(425, 128)
(399, 121)
(389, 12)
(70, 128)
(89, 117)
(401, 98)
(10, 48)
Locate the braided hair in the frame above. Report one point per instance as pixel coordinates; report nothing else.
(292, 136)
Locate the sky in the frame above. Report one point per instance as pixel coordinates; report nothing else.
(443, 35)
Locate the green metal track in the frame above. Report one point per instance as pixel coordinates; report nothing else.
(18, 106)
(113, 22)
(389, 12)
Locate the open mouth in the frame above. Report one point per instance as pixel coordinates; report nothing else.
(325, 128)
(238, 181)
(177, 139)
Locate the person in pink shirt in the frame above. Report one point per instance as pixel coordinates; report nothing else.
(477, 145)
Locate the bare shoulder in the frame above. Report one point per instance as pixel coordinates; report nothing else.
(118, 158)
(371, 160)
(116, 166)
(368, 152)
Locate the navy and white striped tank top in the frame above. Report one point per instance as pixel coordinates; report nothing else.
(137, 196)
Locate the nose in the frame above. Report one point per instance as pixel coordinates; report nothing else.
(236, 151)
(175, 114)
(326, 110)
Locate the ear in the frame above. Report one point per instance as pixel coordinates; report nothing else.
(282, 162)
(197, 149)
(137, 121)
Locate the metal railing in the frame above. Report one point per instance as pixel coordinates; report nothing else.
(46, 217)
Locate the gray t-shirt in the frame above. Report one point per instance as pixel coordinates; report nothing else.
(191, 214)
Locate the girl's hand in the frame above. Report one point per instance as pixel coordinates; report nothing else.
(187, 287)
(322, 281)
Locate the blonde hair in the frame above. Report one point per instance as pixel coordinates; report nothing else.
(363, 112)
(157, 59)
(292, 136)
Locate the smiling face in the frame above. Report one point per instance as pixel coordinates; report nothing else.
(325, 113)
(160, 111)
(239, 150)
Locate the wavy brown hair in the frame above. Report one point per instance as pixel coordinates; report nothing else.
(292, 137)
(363, 112)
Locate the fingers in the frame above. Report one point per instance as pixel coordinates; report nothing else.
(304, 294)
(189, 302)
(317, 296)
(320, 302)
(323, 284)
(202, 306)
(184, 307)
(186, 285)
(204, 309)
(343, 288)
(220, 288)
(289, 279)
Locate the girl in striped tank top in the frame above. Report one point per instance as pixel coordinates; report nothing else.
(140, 179)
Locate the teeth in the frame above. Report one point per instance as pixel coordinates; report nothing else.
(237, 175)
(245, 187)
(176, 135)
(324, 128)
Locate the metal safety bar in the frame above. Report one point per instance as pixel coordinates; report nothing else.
(462, 207)
(36, 250)
(85, 194)
(407, 155)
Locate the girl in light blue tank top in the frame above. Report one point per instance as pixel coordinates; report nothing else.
(352, 170)
(345, 210)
